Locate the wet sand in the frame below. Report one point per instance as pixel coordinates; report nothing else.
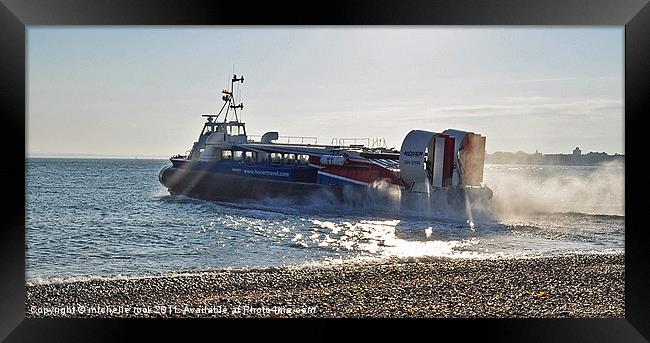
(572, 286)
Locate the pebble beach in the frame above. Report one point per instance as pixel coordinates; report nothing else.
(565, 286)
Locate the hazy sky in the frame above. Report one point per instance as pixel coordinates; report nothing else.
(140, 91)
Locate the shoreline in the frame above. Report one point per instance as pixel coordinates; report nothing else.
(590, 285)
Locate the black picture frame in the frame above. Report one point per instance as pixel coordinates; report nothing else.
(16, 15)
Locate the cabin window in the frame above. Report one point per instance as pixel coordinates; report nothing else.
(303, 160)
(263, 157)
(226, 155)
(276, 158)
(249, 157)
(237, 156)
(290, 159)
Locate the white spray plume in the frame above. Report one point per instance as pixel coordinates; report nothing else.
(599, 190)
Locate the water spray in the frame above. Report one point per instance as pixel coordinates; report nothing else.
(468, 210)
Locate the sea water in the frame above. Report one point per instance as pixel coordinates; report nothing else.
(112, 217)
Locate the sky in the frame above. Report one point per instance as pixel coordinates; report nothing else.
(140, 91)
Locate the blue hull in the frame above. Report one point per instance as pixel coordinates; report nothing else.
(212, 185)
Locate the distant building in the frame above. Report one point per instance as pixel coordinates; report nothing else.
(577, 152)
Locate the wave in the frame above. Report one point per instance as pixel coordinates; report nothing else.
(321, 264)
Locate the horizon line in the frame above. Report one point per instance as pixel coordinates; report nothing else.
(164, 157)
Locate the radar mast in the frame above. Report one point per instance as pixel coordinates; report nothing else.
(229, 100)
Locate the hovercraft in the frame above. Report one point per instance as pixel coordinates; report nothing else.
(227, 164)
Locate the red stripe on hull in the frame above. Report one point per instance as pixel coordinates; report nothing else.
(360, 171)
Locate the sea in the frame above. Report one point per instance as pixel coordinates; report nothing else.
(101, 218)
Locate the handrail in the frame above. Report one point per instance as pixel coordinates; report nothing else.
(377, 142)
(289, 138)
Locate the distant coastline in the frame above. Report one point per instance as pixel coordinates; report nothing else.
(577, 158)
(99, 156)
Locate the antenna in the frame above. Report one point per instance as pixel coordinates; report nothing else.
(228, 98)
(239, 96)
